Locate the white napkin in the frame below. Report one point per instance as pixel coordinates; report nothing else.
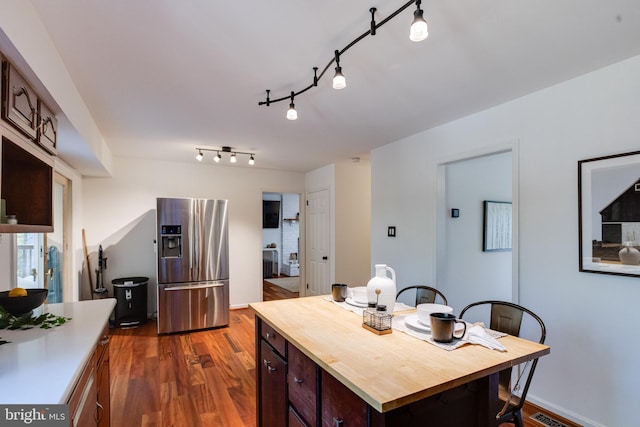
(477, 334)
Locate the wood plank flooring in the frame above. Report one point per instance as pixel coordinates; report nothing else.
(204, 378)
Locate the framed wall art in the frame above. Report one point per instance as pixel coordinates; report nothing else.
(496, 235)
(609, 214)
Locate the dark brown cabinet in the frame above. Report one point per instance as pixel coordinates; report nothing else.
(302, 383)
(89, 404)
(272, 384)
(25, 111)
(26, 187)
(47, 135)
(19, 101)
(341, 406)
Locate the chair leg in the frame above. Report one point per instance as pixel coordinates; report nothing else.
(517, 419)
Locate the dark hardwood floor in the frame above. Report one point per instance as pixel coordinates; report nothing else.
(203, 378)
(271, 292)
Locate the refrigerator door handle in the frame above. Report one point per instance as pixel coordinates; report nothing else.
(188, 287)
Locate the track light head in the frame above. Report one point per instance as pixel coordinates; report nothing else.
(418, 30)
(252, 161)
(217, 157)
(292, 114)
(339, 82)
(233, 158)
(199, 156)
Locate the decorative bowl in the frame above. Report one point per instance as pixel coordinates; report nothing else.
(23, 305)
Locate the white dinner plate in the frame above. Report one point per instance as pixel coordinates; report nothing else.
(413, 322)
(355, 303)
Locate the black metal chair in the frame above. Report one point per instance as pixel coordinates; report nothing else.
(424, 294)
(507, 317)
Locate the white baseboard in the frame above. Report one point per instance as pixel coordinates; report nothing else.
(571, 416)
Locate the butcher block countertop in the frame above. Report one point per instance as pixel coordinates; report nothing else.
(41, 366)
(386, 371)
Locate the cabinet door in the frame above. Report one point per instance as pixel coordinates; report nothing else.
(102, 381)
(273, 388)
(295, 420)
(47, 128)
(19, 106)
(341, 406)
(302, 383)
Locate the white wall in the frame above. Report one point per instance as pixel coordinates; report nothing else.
(592, 373)
(119, 213)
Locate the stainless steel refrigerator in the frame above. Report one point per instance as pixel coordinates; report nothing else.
(193, 264)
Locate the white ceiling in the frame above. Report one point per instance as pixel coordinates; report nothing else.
(161, 77)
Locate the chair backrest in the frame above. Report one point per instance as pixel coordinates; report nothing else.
(424, 294)
(507, 317)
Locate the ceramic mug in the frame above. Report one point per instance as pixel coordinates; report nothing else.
(339, 292)
(443, 326)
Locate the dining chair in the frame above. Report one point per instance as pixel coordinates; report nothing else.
(507, 317)
(424, 294)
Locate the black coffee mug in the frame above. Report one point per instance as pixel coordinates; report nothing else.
(443, 327)
(339, 292)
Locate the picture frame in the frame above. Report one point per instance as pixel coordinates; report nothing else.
(609, 214)
(497, 226)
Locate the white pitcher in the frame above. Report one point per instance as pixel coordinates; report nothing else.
(386, 285)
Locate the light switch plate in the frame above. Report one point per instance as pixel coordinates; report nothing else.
(391, 231)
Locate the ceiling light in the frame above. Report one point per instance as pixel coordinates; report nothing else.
(339, 82)
(419, 30)
(233, 155)
(292, 114)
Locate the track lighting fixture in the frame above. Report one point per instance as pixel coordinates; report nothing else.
(339, 82)
(418, 32)
(233, 155)
(292, 114)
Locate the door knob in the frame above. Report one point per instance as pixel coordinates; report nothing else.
(325, 257)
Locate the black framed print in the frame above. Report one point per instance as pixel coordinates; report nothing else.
(609, 214)
(497, 226)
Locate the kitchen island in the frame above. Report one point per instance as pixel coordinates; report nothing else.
(319, 366)
(52, 366)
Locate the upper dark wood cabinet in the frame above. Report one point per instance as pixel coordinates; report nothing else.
(25, 111)
(26, 187)
(19, 101)
(47, 129)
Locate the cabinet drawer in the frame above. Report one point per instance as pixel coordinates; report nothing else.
(302, 382)
(273, 338)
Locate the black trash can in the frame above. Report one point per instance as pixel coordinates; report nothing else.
(131, 300)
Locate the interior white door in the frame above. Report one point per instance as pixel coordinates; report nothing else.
(318, 243)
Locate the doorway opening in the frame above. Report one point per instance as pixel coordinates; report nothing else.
(281, 255)
(464, 184)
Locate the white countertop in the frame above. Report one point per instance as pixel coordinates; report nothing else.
(41, 366)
